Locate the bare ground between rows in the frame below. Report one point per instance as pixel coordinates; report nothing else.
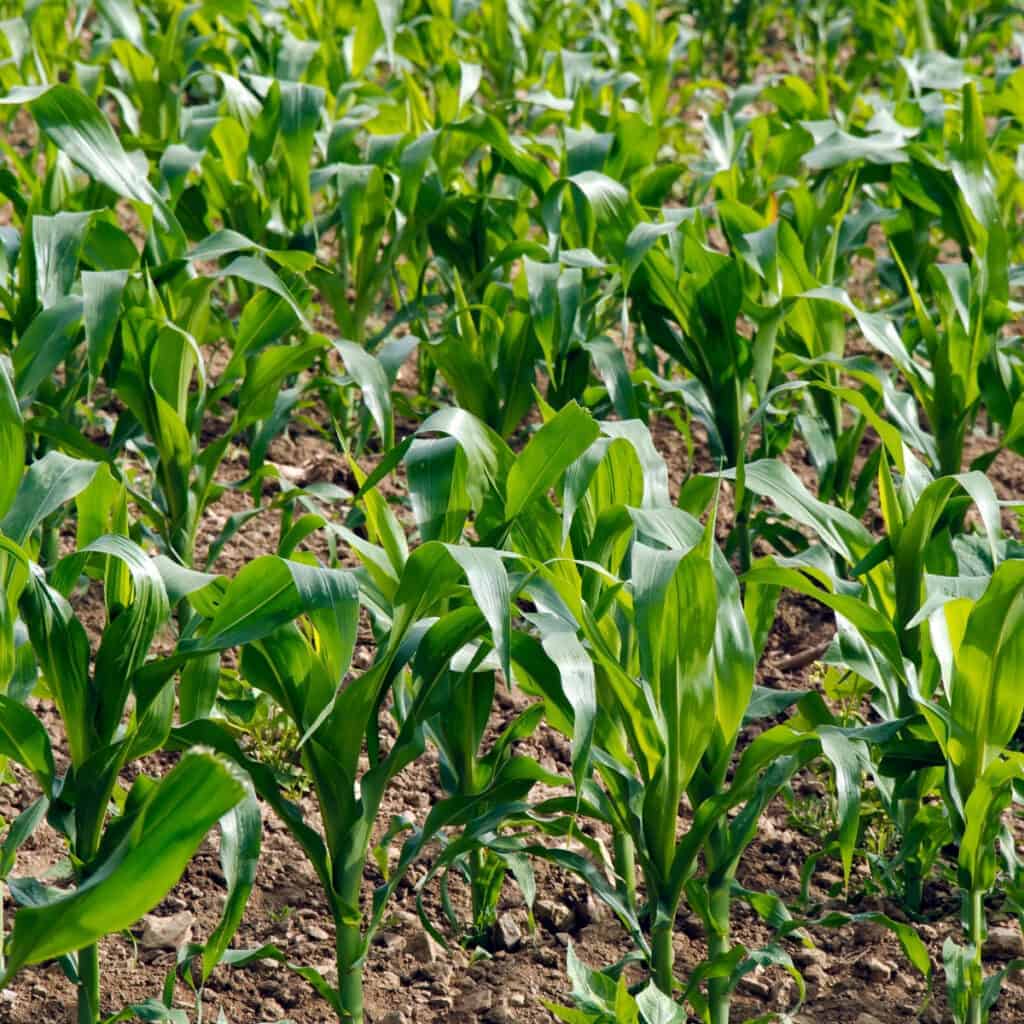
(861, 972)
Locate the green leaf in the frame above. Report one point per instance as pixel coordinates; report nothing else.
(12, 442)
(369, 375)
(77, 127)
(266, 594)
(548, 455)
(241, 831)
(57, 241)
(986, 699)
(46, 343)
(101, 297)
(24, 739)
(134, 877)
(51, 482)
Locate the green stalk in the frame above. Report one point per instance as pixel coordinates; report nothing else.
(348, 929)
(625, 865)
(89, 827)
(89, 985)
(663, 955)
(350, 973)
(719, 991)
(976, 933)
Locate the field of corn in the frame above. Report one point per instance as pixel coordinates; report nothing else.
(510, 511)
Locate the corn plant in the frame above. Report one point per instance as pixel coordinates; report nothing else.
(123, 866)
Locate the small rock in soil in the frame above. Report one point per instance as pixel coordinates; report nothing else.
(507, 933)
(500, 1014)
(315, 932)
(554, 915)
(806, 956)
(753, 986)
(271, 1011)
(590, 911)
(476, 1000)
(328, 971)
(816, 980)
(874, 970)
(547, 957)
(691, 927)
(1004, 943)
(388, 980)
(395, 1017)
(422, 947)
(391, 942)
(166, 932)
(867, 1018)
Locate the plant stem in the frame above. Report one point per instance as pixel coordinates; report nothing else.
(89, 985)
(663, 956)
(350, 972)
(625, 866)
(718, 945)
(976, 976)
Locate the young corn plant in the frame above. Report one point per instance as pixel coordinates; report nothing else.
(967, 710)
(430, 617)
(123, 864)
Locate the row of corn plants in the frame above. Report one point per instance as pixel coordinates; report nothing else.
(565, 295)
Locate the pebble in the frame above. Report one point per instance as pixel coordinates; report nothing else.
(315, 932)
(169, 932)
(547, 957)
(500, 1014)
(422, 947)
(476, 1000)
(395, 1017)
(590, 911)
(816, 980)
(875, 970)
(1004, 943)
(806, 956)
(867, 1018)
(754, 986)
(390, 942)
(271, 1011)
(507, 933)
(554, 915)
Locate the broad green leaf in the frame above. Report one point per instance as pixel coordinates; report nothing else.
(24, 739)
(175, 815)
(369, 375)
(548, 455)
(987, 701)
(79, 129)
(51, 482)
(57, 241)
(12, 443)
(101, 298)
(241, 831)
